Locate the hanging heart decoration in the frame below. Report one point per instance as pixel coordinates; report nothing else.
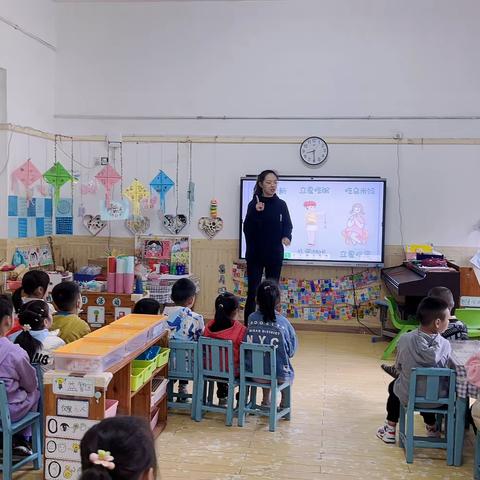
(137, 224)
(94, 224)
(210, 226)
(174, 223)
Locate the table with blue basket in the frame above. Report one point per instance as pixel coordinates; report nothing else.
(461, 352)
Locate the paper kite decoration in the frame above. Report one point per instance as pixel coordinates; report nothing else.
(136, 192)
(27, 173)
(162, 183)
(108, 177)
(57, 176)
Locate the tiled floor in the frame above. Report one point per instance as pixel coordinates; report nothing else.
(339, 401)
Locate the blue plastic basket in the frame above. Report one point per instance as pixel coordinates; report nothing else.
(149, 354)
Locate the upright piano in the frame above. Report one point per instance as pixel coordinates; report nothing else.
(409, 283)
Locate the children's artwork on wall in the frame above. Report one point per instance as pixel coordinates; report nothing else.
(136, 192)
(137, 224)
(162, 183)
(108, 177)
(94, 224)
(96, 315)
(29, 219)
(27, 174)
(115, 210)
(157, 249)
(213, 224)
(89, 188)
(57, 176)
(174, 223)
(122, 312)
(64, 217)
(351, 297)
(35, 256)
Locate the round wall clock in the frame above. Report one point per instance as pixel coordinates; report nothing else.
(314, 151)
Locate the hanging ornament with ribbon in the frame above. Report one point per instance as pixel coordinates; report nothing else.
(136, 192)
(108, 177)
(27, 174)
(162, 183)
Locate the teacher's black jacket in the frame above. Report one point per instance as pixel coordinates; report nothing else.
(264, 230)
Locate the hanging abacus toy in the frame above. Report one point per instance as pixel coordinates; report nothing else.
(213, 224)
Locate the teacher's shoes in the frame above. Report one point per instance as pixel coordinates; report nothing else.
(386, 433)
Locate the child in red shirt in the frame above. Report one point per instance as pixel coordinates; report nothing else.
(225, 327)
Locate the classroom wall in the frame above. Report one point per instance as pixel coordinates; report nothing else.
(141, 61)
(30, 65)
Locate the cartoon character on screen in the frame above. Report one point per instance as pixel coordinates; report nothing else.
(355, 233)
(311, 221)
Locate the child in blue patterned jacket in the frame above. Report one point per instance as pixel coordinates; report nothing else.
(267, 327)
(183, 322)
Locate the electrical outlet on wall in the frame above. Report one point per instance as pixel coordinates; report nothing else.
(103, 160)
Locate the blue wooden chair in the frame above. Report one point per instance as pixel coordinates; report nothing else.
(476, 460)
(432, 397)
(182, 365)
(215, 364)
(258, 362)
(9, 428)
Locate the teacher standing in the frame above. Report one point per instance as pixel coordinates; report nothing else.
(268, 228)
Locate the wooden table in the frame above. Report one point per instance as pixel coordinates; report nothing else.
(461, 352)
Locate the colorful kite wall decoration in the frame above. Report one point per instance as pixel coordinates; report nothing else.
(27, 173)
(136, 192)
(108, 177)
(162, 183)
(57, 176)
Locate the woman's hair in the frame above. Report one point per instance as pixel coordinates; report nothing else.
(32, 316)
(147, 306)
(30, 282)
(268, 297)
(226, 305)
(129, 441)
(261, 177)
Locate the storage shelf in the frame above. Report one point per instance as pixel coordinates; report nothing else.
(158, 402)
(159, 428)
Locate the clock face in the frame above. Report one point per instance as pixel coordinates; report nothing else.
(314, 151)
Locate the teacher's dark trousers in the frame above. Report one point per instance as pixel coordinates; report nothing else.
(255, 270)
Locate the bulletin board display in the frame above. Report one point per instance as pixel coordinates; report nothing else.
(164, 254)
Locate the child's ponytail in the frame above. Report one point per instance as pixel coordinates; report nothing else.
(17, 299)
(225, 306)
(268, 297)
(32, 316)
(96, 472)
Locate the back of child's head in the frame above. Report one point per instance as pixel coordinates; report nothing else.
(65, 296)
(6, 309)
(268, 298)
(226, 306)
(445, 294)
(431, 309)
(32, 317)
(128, 440)
(147, 306)
(34, 283)
(182, 291)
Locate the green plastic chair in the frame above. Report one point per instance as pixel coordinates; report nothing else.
(404, 326)
(471, 318)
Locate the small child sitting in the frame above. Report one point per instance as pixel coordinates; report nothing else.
(35, 338)
(147, 306)
(18, 375)
(120, 448)
(183, 322)
(267, 327)
(68, 301)
(34, 287)
(225, 326)
(456, 330)
(423, 347)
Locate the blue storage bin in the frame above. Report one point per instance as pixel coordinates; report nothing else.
(83, 277)
(149, 354)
